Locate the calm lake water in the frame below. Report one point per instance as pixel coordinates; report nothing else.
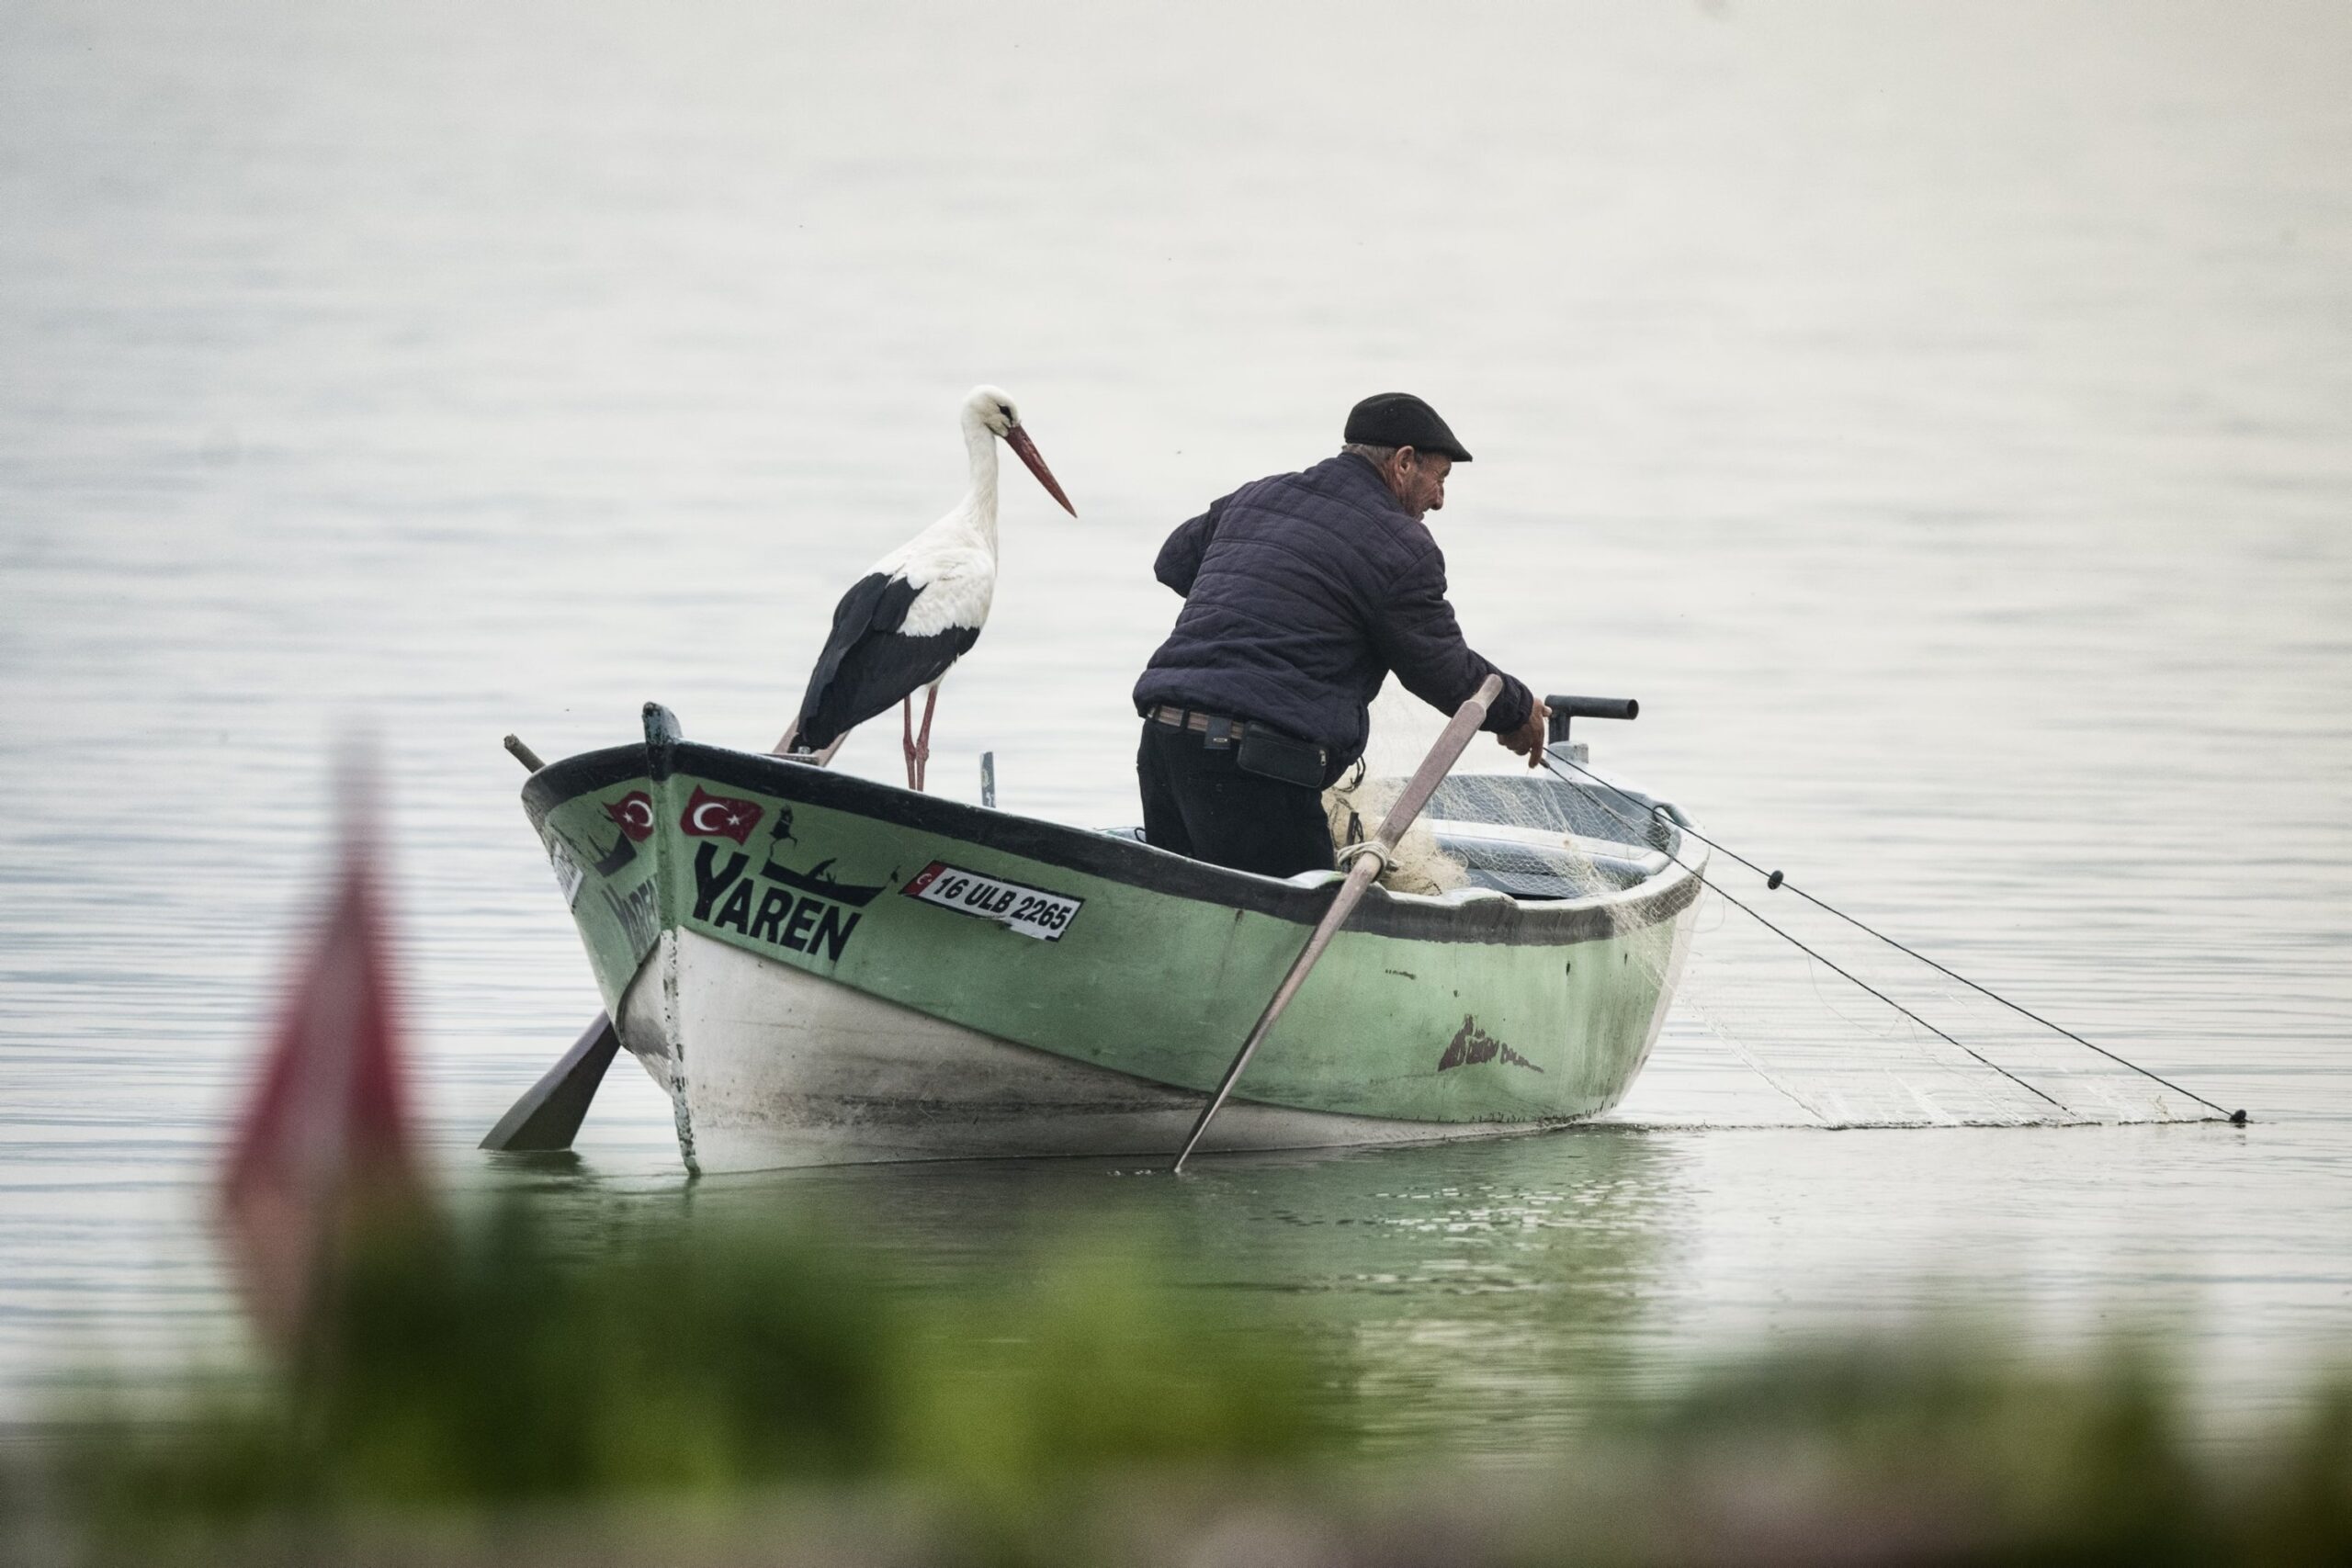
(1940, 417)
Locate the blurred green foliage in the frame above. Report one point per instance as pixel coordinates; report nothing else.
(1066, 1404)
(484, 1364)
(1936, 1444)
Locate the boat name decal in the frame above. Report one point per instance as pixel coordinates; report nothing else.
(1472, 1045)
(709, 815)
(637, 916)
(783, 916)
(1032, 911)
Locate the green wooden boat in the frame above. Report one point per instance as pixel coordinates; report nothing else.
(819, 968)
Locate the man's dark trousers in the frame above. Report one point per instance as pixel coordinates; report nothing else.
(1198, 802)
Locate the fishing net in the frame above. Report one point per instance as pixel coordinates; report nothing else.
(1814, 1022)
(1358, 804)
(1914, 1049)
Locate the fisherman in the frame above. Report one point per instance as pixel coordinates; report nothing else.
(1302, 593)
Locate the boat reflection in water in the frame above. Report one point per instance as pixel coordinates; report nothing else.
(1481, 1295)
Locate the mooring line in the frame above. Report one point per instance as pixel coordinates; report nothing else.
(1775, 880)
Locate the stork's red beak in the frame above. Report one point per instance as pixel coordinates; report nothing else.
(1018, 439)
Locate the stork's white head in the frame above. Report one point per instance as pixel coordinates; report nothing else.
(991, 409)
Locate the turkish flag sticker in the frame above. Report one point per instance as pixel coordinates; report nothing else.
(634, 812)
(708, 816)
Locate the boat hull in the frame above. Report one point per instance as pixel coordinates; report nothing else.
(821, 969)
(793, 1069)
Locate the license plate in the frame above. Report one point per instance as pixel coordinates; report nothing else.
(1032, 911)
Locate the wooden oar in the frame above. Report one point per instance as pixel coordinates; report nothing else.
(1368, 860)
(549, 1115)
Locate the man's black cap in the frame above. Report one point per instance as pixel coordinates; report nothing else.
(1400, 419)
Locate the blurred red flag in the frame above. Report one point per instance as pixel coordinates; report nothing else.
(325, 1139)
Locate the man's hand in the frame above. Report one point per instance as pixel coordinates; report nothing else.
(1528, 738)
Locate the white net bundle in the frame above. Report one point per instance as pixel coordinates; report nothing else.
(1355, 807)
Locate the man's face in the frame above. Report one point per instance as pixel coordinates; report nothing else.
(1420, 481)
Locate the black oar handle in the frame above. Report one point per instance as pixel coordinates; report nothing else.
(1565, 708)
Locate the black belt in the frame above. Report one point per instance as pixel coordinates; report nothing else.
(1221, 728)
(1267, 751)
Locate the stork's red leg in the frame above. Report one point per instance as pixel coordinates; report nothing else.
(922, 741)
(906, 737)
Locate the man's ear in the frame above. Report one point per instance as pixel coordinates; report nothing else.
(1407, 458)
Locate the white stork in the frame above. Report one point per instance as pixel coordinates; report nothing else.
(901, 626)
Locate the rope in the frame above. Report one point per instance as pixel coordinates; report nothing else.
(1774, 880)
(1830, 963)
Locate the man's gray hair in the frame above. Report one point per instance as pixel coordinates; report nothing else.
(1378, 455)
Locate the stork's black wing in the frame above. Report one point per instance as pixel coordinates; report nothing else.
(868, 663)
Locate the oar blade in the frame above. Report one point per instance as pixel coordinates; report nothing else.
(548, 1114)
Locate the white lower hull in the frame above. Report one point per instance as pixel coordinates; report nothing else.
(770, 1066)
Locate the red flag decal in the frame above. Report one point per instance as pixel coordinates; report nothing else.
(708, 816)
(634, 812)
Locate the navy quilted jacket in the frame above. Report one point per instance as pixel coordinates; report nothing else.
(1302, 592)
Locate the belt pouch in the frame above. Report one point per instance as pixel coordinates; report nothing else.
(1271, 754)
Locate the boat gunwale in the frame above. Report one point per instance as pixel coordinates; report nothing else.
(1491, 917)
